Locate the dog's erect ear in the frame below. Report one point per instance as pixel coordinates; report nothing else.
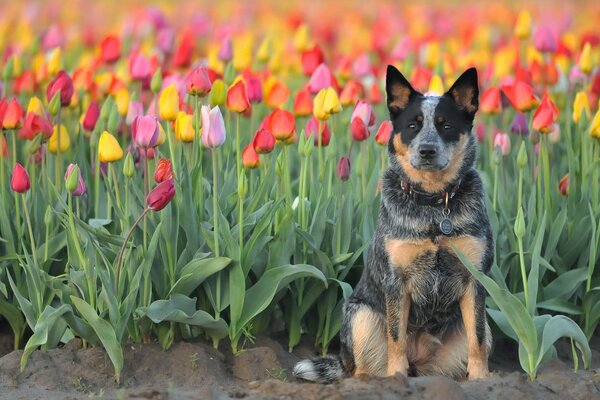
(465, 92)
(399, 91)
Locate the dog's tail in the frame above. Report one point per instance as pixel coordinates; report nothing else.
(320, 369)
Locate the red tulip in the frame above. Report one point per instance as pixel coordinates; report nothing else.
(20, 179)
(312, 126)
(91, 116)
(25, 83)
(110, 49)
(375, 95)
(282, 124)
(520, 95)
(161, 195)
(384, 132)
(34, 125)
(303, 104)
(237, 98)
(254, 88)
(263, 141)
(563, 185)
(490, 102)
(351, 93)
(343, 168)
(311, 59)
(12, 115)
(64, 83)
(197, 82)
(182, 57)
(163, 171)
(545, 115)
(3, 107)
(250, 157)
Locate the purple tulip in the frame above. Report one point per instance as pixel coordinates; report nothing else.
(545, 40)
(213, 127)
(226, 50)
(519, 125)
(145, 131)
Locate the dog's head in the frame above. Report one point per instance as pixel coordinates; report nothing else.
(432, 143)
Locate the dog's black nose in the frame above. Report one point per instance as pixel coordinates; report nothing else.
(428, 151)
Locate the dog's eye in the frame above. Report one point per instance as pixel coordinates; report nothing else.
(412, 125)
(447, 127)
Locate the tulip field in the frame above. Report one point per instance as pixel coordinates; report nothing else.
(210, 171)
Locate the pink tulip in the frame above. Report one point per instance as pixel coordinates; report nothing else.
(254, 90)
(362, 118)
(135, 109)
(320, 79)
(165, 39)
(145, 131)
(402, 49)
(213, 127)
(545, 40)
(502, 141)
(81, 189)
(361, 66)
(20, 182)
(64, 83)
(197, 82)
(139, 67)
(91, 116)
(226, 50)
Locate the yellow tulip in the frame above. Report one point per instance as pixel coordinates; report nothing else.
(580, 105)
(54, 61)
(122, 101)
(218, 93)
(264, 49)
(242, 55)
(436, 85)
(184, 128)
(169, 103)
(595, 127)
(35, 106)
(302, 38)
(65, 140)
(109, 149)
(432, 55)
(585, 59)
(213, 60)
(162, 136)
(523, 25)
(103, 81)
(326, 102)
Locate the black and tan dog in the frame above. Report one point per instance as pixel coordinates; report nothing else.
(417, 310)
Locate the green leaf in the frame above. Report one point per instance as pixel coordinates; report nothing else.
(13, 316)
(534, 271)
(560, 306)
(105, 332)
(560, 326)
(195, 272)
(565, 284)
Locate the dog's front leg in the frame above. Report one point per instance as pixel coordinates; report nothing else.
(472, 308)
(397, 303)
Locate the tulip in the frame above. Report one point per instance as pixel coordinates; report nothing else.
(139, 68)
(34, 125)
(161, 195)
(580, 105)
(343, 168)
(520, 95)
(322, 78)
(311, 59)
(169, 103)
(163, 171)
(282, 124)
(545, 40)
(184, 128)
(20, 179)
(384, 133)
(303, 103)
(351, 93)
(213, 127)
(197, 82)
(182, 57)
(302, 38)
(237, 98)
(502, 142)
(519, 125)
(145, 131)
(362, 118)
(326, 103)
(545, 115)
(436, 86)
(134, 110)
(109, 149)
(576, 77)
(480, 132)
(263, 141)
(35, 106)
(311, 129)
(250, 159)
(128, 166)
(563, 185)
(585, 59)
(362, 66)
(490, 102)
(254, 90)
(74, 182)
(217, 94)
(554, 133)
(91, 116)
(595, 126)
(226, 50)
(276, 95)
(65, 140)
(63, 83)
(122, 101)
(110, 49)
(523, 25)
(12, 115)
(375, 96)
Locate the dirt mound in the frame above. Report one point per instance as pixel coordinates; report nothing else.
(193, 370)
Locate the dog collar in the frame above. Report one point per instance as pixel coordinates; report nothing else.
(429, 199)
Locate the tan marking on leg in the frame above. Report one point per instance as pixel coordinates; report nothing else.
(477, 365)
(472, 247)
(369, 343)
(433, 181)
(402, 253)
(397, 360)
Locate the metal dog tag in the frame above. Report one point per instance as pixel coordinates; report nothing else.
(446, 226)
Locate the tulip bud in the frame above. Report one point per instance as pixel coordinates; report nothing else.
(263, 141)
(534, 136)
(163, 171)
(519, 227)
(128, 166)
(65, 141)
(122, 101)
(109, 149)
(114, 120)
(161, 195)
(595, 126)
(106, 108)
(217, 94)
(522, 157)
(48, 216)
(213, 127)
(563, 185)
(581, 104)
(502, 142)
(523, 25)
(229, 73)
(343, 168)
(156, 82)
(54, 104)
(91, 117)
(243, 186)
(585, 59)
(20, 179)
(72, 178)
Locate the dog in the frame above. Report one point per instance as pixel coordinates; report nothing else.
(416, 309)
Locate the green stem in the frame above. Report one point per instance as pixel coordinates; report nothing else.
(96, 183)
(122, 250)
(495, 197)
(320, 151)
(1, 158)
(216, 239)
(57, 161)
(31, 238)
(171, 148)
(82, 260)
(523, 272)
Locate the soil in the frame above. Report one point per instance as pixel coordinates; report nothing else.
(194, 370)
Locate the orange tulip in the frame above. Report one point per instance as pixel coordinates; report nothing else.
(277, 95)
(520, 95)
(490, 101)
(282, 124)
(12, 115)
(250, 157)
(237, 98)
(303, 103)
(545, 115)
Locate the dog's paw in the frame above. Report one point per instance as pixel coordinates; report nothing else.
(477, 372)
(398, 366)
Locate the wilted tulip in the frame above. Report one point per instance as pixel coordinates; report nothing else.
(263, 141)
(343, 168)
(237, 97)
(384, 133)
(20, 179)
(213, 127)
(109, 149)
(197, 82)
(73, 181)
(169, 103)
(163, 170)
(161, 195)
(145, 131)
(250, 157)
(64, 83)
